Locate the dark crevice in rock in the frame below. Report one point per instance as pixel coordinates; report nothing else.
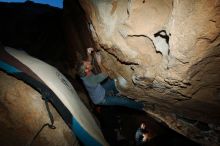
(209, 39)
(213, 21)
(125, 62)
(139, 35)
(187, 120)
(181, 60)
(163, 34)
(202, 126)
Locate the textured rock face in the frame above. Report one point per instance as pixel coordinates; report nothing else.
(167, 53)
(23, 113)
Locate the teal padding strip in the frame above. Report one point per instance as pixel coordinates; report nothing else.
(83, 135)
(8, 68)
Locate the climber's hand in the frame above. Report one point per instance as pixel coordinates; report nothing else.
(90, 50)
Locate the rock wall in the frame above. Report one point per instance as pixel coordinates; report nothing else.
(23, 113)
(166, 53)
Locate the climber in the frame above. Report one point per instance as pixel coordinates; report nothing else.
(100, 87)
(141, 135)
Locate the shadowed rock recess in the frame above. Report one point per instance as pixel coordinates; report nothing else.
(166, 53)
